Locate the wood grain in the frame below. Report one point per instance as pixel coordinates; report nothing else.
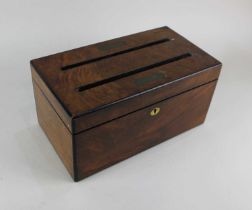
(119, 139)
(54, 128)
(65, 83)
(94, 102)
(146, 98)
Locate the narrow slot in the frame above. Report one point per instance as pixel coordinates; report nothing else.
(132, 72)
(67, 67)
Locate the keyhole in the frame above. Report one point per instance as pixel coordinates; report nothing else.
(155, 111)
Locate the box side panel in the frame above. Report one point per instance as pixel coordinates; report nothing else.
(54, 128)
(119, 139)
(57, 106)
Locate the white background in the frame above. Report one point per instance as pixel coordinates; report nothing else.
(209, 167)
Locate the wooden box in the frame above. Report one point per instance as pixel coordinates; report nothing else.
(105, 102)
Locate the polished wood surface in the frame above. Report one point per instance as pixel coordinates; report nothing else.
(146, 98)
(94, 102)
(54, 128)
(93, 77)
(59, 108)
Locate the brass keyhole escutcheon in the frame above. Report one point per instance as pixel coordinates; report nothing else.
(155, 111)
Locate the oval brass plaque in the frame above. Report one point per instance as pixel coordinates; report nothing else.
(155, 111)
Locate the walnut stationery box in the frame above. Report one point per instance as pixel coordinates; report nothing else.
(105, 102)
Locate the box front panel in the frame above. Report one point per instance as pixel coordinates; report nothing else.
(121, 138)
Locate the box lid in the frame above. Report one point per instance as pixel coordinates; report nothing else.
(100, 82)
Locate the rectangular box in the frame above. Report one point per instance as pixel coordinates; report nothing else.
(105, 102)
